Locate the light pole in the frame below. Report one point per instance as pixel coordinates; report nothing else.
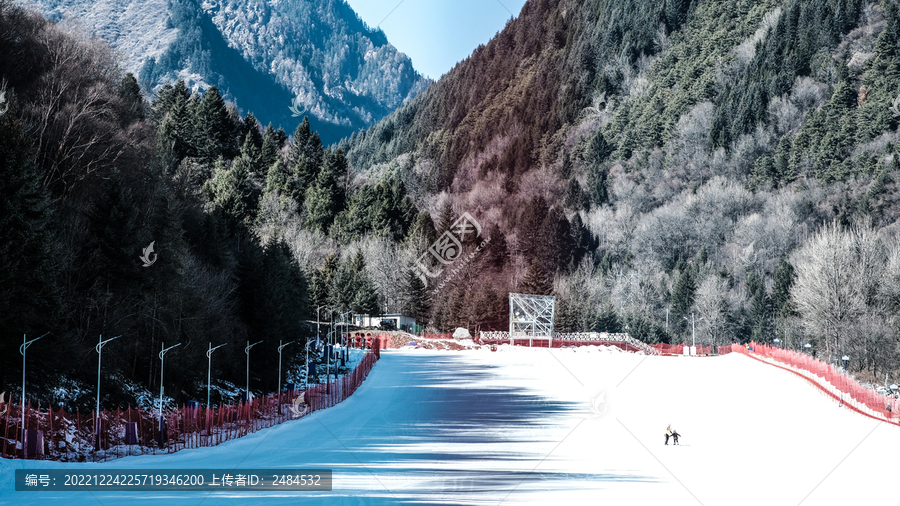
(209, 369)
(328, 352)
(25, 345)
(280, 347)
(99, 347)
(162, 370)
(317, 344)
(308, 343)
(693, 330)
(247, 351)
(317, 323)
(346, 331)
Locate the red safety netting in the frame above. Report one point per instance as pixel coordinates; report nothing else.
(678, 349)
(829, 379)
(66, 436)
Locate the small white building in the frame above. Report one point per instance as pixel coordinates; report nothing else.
(401, 322)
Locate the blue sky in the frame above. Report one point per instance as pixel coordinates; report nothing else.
(436, 34)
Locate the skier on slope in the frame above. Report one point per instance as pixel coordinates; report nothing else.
(668, 433)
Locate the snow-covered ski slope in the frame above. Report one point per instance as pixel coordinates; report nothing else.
(556, 427)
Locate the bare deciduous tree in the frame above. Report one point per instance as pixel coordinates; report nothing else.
(836, 281)
(712, 304)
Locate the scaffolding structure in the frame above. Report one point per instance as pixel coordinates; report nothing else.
(531, 316)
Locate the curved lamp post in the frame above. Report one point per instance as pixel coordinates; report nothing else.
(247, 351)
(162, 369)
(209, 369)
(280, 347)
(25, 345)
(99, 347)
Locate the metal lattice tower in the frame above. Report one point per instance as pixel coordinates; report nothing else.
(531, 316)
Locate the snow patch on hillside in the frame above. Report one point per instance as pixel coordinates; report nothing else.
(136, 29)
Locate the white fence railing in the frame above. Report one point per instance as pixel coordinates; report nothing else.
(581, 336)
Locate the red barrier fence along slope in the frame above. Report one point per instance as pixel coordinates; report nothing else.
(58, 435)
(830, 380)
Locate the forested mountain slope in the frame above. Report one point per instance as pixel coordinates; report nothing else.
(263, 55)
(702, 146)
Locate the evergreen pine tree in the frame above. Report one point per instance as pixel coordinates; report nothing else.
(341, 291)
(760, 309)
(682, 298)
(251, 157)
(781, 289)
(305, 158)
(536, 281)
(131, 96)
(606, 320)
(251, 128)
(422, 232)
(318, 289)
(365, 301)
(325, 198)
(29, 293)
(167, 98)
(414, 295)
(271, 145)
(212, 127)
(597, 153)
(446, 219)
(233, 191)
(176, 133)
(279, 179)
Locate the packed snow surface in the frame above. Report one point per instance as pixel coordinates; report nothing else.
(562, 426)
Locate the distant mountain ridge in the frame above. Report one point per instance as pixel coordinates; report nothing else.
(266, 55)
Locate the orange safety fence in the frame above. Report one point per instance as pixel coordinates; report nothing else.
(678, 349)
(833, 381)
(66, 436)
